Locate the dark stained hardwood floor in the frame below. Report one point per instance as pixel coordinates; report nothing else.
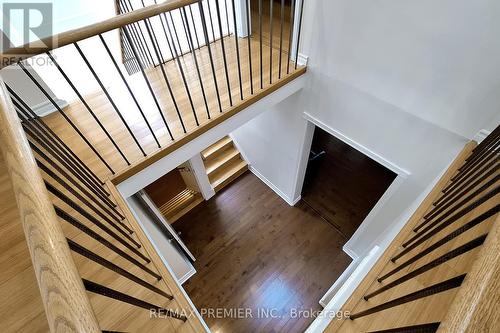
(343, 185)
(255, 251)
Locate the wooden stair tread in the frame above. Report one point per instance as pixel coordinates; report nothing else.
(175, 200)
(178, 202)
(219, 145)
(224, 157)
(197, 199)
(229, 173)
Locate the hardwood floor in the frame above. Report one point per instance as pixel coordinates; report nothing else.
(355, 183)
(108, 117)
(255, 251)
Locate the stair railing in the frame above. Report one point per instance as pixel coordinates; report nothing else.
(186, 66)
(440, 274)
(61, 287)
(66, 208)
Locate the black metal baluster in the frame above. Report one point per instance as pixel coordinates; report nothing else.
(472, 171)
(114, 294)
(211, 21)
(37, 135)
(74, 246)
(282, 19)
(127, 58)
(248, 11)
(194, 27)
(422, 328)
(66, 117)
(188, 33)
(224, 54)
(290, 37)
(452, 194)
(486, 144)
(180, 53)
(184, 25)
(129, 89)
(456, 206)
(86, 202)
(298, 33)
(237, 50)
(109, 98)
(87, 106)
(56, 139)
(77, 185)
(181, 70)
(179, 64)
(465, 171)
(135, 35)
(454, 234)
(96, 222)
(227, 18)
(260, 46)
(139, 34)
(271, 21)
(425, 292)
(127, 35)
(205, 33)
(422, 237)
(133, 65)
(446, 204)
(476, 242)
(91, 233)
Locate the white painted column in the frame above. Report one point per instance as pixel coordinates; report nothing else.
(241, 9)
(200, 174)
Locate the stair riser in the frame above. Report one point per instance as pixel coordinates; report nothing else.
(216, 153)
(212, 175)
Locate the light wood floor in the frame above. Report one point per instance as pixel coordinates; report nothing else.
(98, 102)
(255, 251)
(21, 307)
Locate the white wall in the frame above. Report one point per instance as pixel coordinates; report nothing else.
(436, 59)
(409, 80)
(271, 144)
(171, 255)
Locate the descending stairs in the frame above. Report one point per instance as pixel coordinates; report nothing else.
(223, 163)
(180, 205)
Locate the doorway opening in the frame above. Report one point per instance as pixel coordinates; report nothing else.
(176, 193)
(342, 184)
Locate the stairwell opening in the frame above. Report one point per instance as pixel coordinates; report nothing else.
(342, 184)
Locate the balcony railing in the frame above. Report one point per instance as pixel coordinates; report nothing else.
(139, 85)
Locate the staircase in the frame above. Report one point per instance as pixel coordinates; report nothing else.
(223, 163)
(179, 205)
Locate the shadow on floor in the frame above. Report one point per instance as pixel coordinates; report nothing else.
(256, 252)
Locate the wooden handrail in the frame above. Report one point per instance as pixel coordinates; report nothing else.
(475, 307)
(91, 30)
(65, 300)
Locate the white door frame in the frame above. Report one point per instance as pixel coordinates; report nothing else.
(158, 215)
(401, 173)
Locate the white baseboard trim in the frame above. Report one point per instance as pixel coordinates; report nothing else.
(266, 181)
(46, 108)
(350, 253)
(344, 289)
(302, 59)
(187, 276)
